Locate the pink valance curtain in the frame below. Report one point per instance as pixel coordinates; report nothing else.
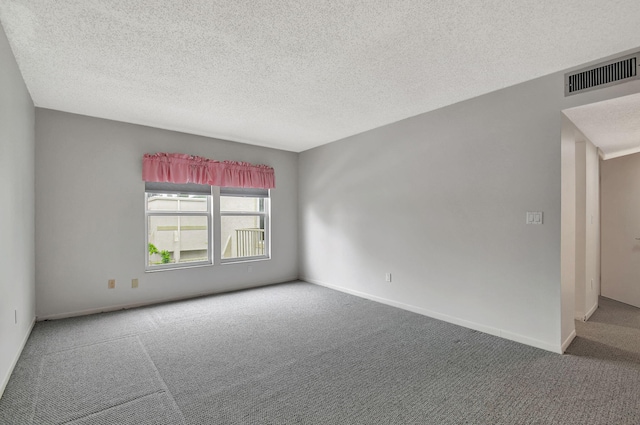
(181, 168)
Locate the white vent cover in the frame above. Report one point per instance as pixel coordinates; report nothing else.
(604, 74)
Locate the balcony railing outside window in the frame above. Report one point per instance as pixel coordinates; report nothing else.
(249, 242)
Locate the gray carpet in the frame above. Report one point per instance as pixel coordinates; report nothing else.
(297, 353)
(612, 334)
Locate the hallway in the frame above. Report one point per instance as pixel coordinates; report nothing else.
(611, 334)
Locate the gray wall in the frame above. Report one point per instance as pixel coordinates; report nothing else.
(620, 207)
(17, 293)
(90, 216)
(439, 201)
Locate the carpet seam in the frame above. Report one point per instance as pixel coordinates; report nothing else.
(114, 406)
(162, 383)
(37, 390)
(39, 381)
(91, 344)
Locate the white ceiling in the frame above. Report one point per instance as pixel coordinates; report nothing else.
(300, 73)
(612, 125)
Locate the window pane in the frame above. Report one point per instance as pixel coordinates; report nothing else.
(178, 239)
(239, 203)
(242, 236)
(176, 202)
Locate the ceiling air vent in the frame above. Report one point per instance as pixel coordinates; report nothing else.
(604, 74)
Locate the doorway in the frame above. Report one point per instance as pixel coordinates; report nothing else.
(600, 206)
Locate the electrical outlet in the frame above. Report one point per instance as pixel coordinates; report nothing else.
(15, 316)
(112, 284)
(134, 283)
(387, 277)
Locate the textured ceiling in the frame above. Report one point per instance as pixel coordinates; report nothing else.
(297, 74)
(612, 125)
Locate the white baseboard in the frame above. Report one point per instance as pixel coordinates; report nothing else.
(446, 318)
(5, 379)
(107, 309)
(584, 317)
(591, 311)
(568, 341)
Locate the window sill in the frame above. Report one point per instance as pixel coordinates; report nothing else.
(222, 263)
(243, 260)
(166, 269)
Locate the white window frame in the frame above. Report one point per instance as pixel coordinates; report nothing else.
(175, 189)
(214, 222)
(265, 194)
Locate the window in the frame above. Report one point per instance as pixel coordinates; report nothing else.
(178, 226)
(244, 224)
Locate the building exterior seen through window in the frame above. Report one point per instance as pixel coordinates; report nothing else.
(180, 230)
(243, 227)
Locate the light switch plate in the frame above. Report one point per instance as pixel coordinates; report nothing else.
(534, 217)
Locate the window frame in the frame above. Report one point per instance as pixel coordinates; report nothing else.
(214, 221)
(265, 215)
(179, 190)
